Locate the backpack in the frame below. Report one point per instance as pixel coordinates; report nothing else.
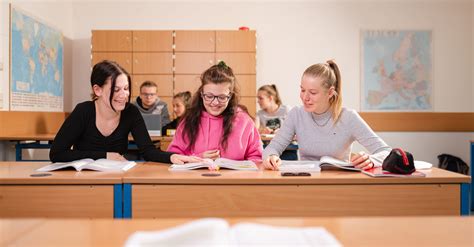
(452, 163)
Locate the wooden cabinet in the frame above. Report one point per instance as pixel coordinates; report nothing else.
(111, 41)
(195, 41)
(241, 63)
(153, 41)
(184, 83)
(235, 41)
(153, 63)
(175, 59)
(122, 58)
(164, 82)
(193, 63)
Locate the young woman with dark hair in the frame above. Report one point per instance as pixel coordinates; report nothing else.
(99, 128)
(215, 126)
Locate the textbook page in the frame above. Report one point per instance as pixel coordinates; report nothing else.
(245, 165)
(98, 165)
(61, 165)
(217, 232)
(251, 234)
(327, 161)
(203, 232)
(109, 165)
(299, 166)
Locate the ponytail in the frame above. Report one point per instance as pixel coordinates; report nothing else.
(336, 100)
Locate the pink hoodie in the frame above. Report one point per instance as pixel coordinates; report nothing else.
(243, 143)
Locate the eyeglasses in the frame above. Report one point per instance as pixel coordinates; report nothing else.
(147, 94)
(208, 97)
(296, 174)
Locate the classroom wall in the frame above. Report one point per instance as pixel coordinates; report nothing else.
(291, 36)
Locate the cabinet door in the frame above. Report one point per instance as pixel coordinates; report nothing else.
(241, 63)
(111, 40)
(164, 82)
(124, 59)
(169, 102)
(194, 41)
(251, 104)
(153, 41)
(153, 63)
(184, 83)
(247, 85)
(235, 41)
(193, 63)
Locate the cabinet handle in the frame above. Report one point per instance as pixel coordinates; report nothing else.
(211, 40)
(211, 62)
(136, 60)
(127, 38)
(127, 61)
(135, 38)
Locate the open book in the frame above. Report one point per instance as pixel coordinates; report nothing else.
(90, 164)
(245, 165)
(327, 161)
(217, 232)
(300, 166)
(315, 165)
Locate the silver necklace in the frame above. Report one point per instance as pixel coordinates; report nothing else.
(323, 124)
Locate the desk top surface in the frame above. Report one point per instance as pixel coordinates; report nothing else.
(157, 173)
(20, 173)
(357, 231)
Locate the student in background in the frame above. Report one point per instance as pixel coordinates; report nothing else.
(271, 115)
(272, 112)
(323, 126)
(99, 128)
(181, 102)
(149, 103)
(215, 126)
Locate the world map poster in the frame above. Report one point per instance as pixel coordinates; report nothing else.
(36, 65)
(397, 71)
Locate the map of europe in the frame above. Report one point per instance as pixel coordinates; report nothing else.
(397, 70)
(36, 65)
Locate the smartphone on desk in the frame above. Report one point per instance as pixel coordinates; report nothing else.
(295, 174)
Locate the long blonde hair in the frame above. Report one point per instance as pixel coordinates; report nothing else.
(331, 77)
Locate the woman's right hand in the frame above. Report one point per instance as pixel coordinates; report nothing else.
(272, 162)
(115, 156)
(211, 154)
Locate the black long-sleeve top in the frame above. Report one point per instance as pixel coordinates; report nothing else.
(80, 132)
(171, 125)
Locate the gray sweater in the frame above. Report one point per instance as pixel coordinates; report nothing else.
(317, 136)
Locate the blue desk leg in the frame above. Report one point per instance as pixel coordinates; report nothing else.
(18, 152)
(472, 175)
(465, 209)
(118, 201)
(127, 201)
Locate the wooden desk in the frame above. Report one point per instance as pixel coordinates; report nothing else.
(368, 231)
(150, 190)
(63, 194)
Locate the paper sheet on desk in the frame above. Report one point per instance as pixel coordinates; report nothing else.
(217, 232)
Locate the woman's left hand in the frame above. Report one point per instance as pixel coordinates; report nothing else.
(181, 159)
(362, 161)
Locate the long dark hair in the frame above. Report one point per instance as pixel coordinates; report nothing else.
(105, 70)
(217, 74)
